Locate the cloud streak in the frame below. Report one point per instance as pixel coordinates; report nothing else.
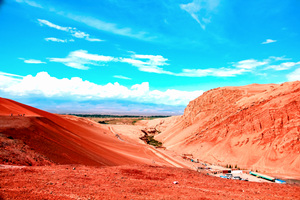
(121, 77)
(74, 31)
(30, 3)
(32, 61)
(109, 27)
(52, 39)
(148, 63)
(10, 75)
(95, 23)
(221, 72)
(200, 10)
(80, 59)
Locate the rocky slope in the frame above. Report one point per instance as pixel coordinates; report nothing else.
(254, 126)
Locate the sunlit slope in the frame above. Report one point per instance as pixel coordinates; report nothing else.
(254, 126)
(68, 139)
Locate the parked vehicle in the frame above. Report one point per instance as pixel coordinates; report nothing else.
(229, 176)
(279, 181)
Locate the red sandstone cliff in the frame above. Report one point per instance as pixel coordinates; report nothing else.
(254, 126)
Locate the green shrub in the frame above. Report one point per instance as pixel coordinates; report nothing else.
(153, 142)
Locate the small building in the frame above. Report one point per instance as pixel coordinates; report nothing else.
(258, 175)
(226, 171)
(236, 171)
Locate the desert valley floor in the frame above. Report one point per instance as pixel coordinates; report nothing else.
(51, 156)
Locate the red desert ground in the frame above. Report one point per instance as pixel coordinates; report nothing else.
(254, 127)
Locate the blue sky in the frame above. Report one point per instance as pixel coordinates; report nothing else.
(142, 57)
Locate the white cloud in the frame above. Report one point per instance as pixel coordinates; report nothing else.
(283, 66)
(148, 63)
(218, 72)
(294, 76)
(55, 39)
(196, 72)
(93, 39)
(200, 10)
(32, 61)
(241, 67)
(249, 64)
(121, 77)
(269, 41)
(238, 68)
(154, 63)
(278, 58)
(74, 32)
(80, 34)
(93, 57)
(76, 89)
(80, 59)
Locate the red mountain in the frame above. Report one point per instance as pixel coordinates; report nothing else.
(254, 126)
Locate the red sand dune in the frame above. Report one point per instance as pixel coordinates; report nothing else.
(62, 140)
(254, 126)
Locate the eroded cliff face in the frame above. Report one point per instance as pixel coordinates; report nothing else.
(254, 126)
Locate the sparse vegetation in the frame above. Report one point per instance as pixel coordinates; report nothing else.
(150, 140)
(153, 142)
(120, 116)
(117, 119)
(102, 122)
